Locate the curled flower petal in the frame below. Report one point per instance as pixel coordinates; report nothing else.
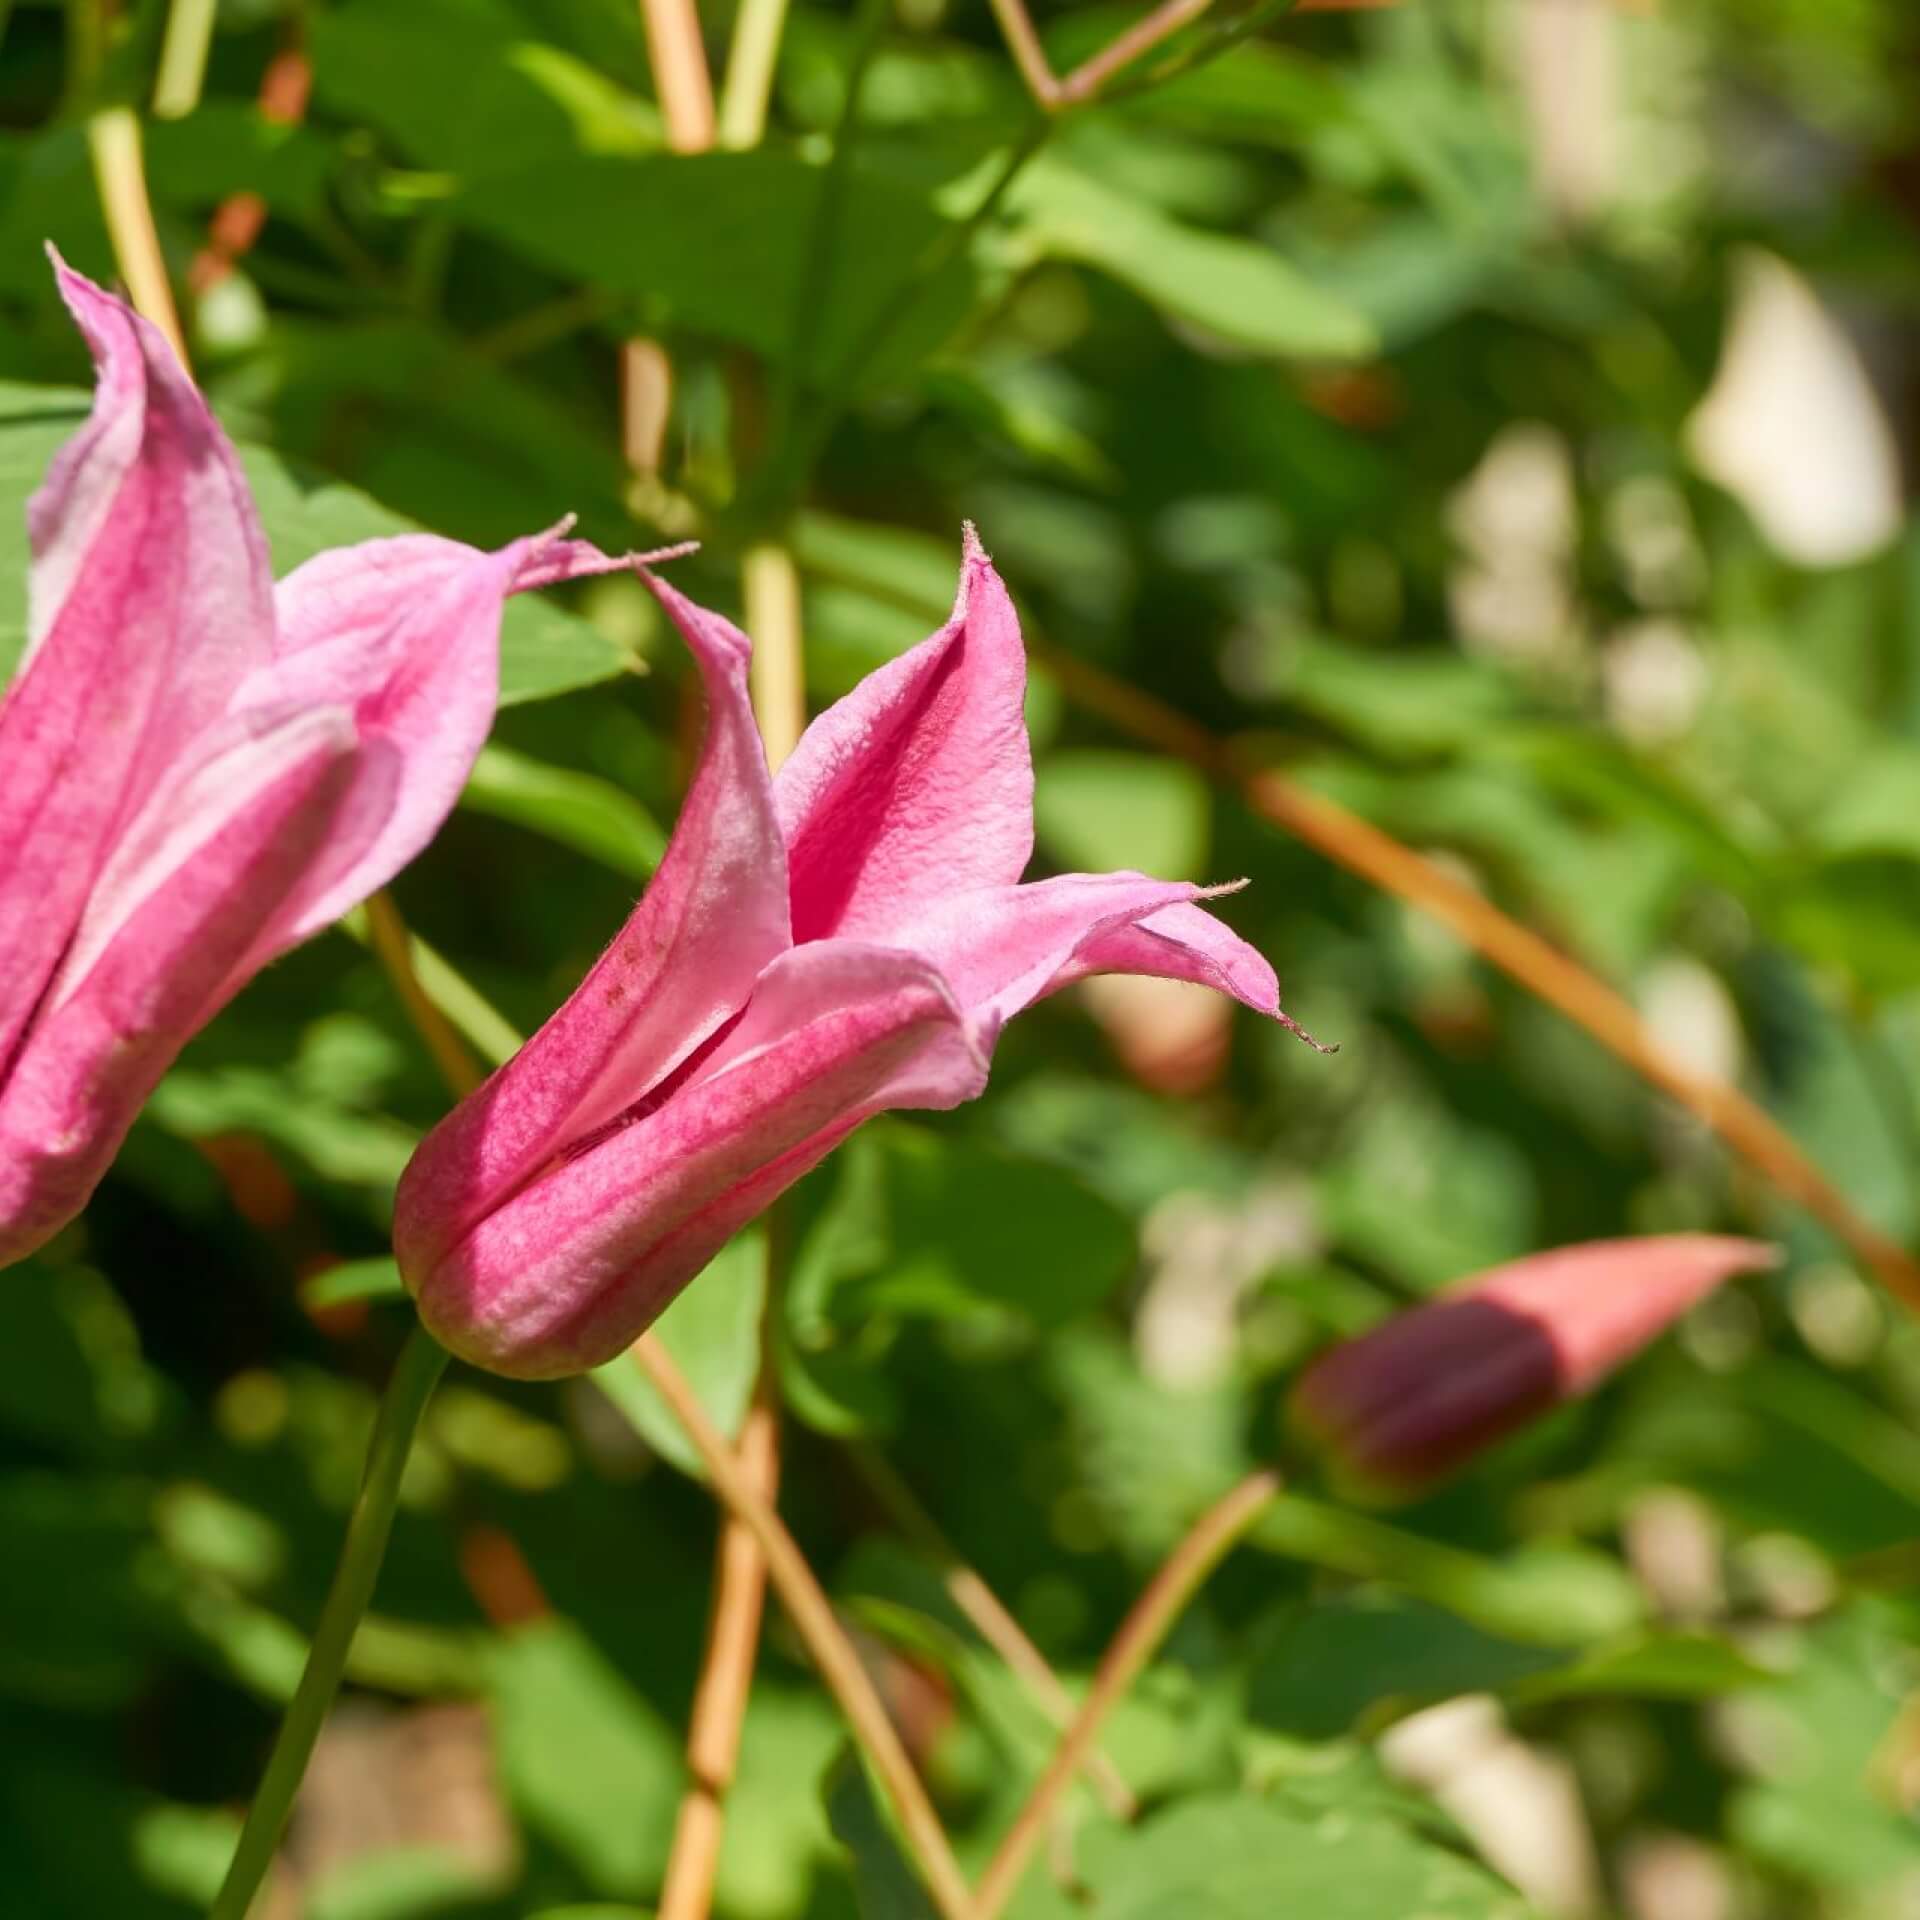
(919, 784)
(148, 601)
(1405, 1404)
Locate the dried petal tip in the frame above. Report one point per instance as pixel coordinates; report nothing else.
(1407, 1403)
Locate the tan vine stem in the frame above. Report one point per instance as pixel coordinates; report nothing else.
(1520, 953)
(393, 946)
(680, 75)
(685, 87)
(726, 1675)
(1147, 1624)
(1142, 37)
(990, 1618)
(831, 1651)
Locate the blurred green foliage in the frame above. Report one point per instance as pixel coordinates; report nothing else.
(1344, 391)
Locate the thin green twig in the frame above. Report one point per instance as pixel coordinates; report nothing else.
(183, 58)
(749, 80)
(421, 1362)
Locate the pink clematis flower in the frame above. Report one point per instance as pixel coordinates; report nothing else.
(1403, 1405)
(199, 768)
(815, 949)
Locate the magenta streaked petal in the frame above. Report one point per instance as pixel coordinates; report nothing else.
(149, 601)
(712, 918)
(1406, 1403)
(115, 1024)
(919, 784)
(580, 1262)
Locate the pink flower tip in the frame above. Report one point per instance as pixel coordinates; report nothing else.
(1404, 1405)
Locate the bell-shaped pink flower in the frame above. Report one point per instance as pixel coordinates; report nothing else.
(814, 949)
(1406, 1403)
(199, 768)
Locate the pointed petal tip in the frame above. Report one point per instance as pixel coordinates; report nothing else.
(659, 556)
(970, 547)
(1299, 1032)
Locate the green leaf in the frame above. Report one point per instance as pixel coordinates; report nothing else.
(1332, 1664)
(919, 1226)
(1859, 914)
(543, 649)
(885, 1884)
(73, 1635)
(719, 242)
(375, 1279)
(1338, 1665)
(1098, 809)
(517, 100)
(75, 1379)
(1240, 289)
(1233, 1857)
(713, 1331)
(398, 1883)
(1824, 1730)
(584, 1759)
(579, 810)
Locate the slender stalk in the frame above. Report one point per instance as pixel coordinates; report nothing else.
(685, 85)
(989, 1617)
(1145, 1627)
(1231, 32)
(646, 404)
(749, 78)
(680, 75)
(813, 1617)
(183, 58)
(419, 1367)
(770, 585)
(1142, 37)
(120, 171)
(1520, 953)
(393, 946)
(1023, 42)
(726, 1675)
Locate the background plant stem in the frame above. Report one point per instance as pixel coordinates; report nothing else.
(421, 1363)
(1148, 1622)
(750, 66)
(812, 1615)
(183, 58)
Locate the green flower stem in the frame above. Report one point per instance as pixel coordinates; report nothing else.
(420, 1365)
(183, 58)
(750, 66)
